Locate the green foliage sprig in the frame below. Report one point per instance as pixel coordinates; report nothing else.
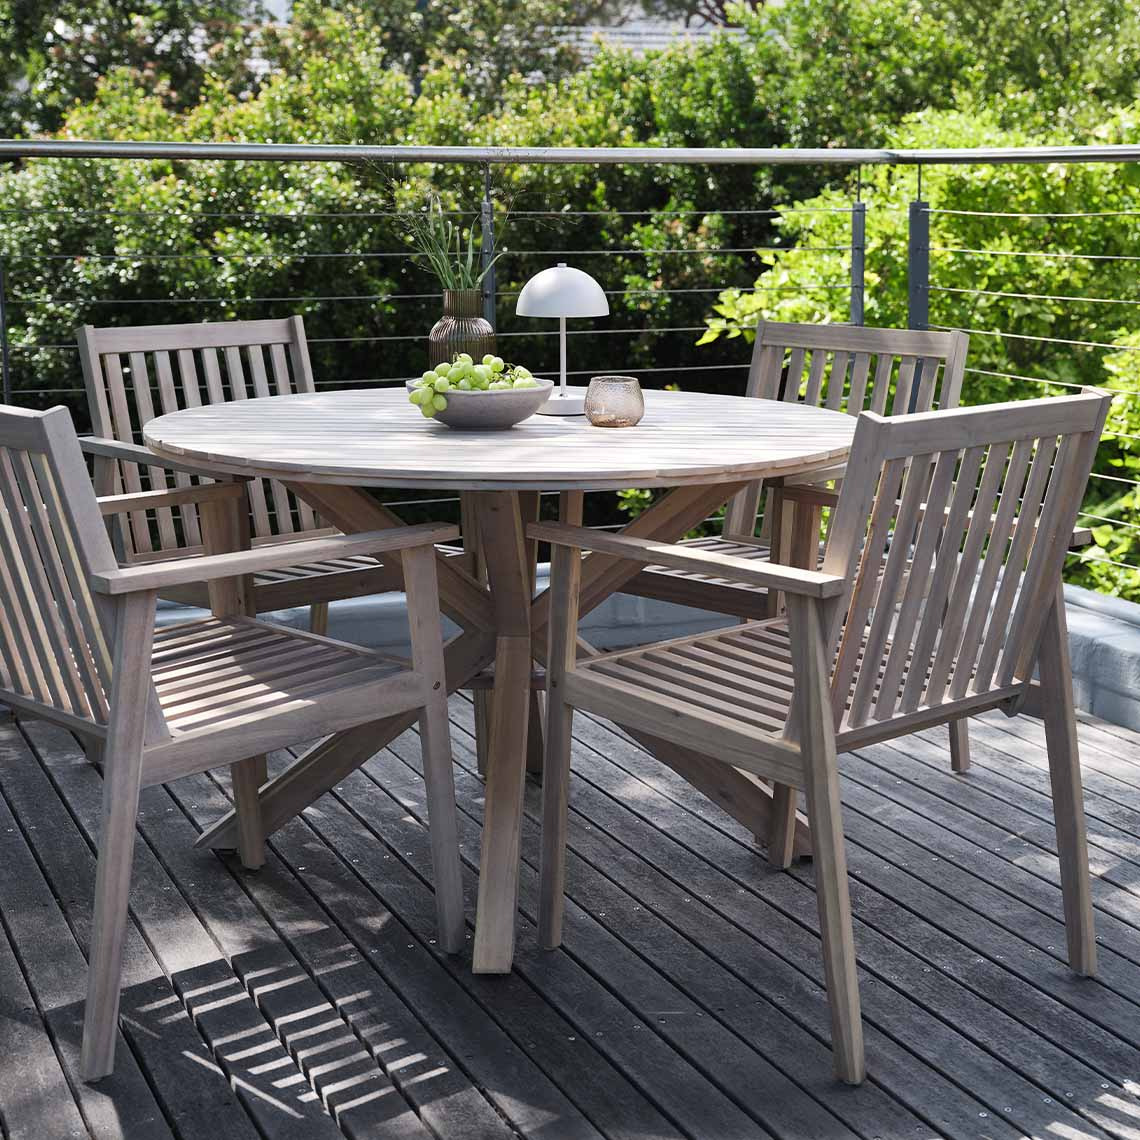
(442, 248)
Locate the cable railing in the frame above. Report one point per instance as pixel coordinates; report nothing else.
(368, 316)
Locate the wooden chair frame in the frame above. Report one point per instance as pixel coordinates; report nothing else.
(845, 368)
(940, 593)
(78, 646)
(133, 374)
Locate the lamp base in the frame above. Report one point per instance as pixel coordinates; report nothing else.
(572, 404)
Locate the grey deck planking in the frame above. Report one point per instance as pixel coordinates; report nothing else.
(975, 1028)
(901, 998)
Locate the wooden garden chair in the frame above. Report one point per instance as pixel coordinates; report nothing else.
(78, 646)
(846, 368)
(940, 593)
(134, 374)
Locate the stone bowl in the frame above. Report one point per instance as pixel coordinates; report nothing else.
(489, 411)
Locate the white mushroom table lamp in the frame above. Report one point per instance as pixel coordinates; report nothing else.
(562, 292)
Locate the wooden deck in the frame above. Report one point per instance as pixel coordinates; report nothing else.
(309, 1000)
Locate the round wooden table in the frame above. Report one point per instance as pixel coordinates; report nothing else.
(328, 447)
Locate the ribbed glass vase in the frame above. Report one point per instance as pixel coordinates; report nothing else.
(462, 328)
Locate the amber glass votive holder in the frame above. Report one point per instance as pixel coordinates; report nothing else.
(614, 401)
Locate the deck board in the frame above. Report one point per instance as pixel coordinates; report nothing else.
(310, 1000)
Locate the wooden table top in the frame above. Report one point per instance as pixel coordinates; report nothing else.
(373, 437)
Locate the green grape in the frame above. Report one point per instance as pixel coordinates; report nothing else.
(464, 358)
(442, 369)
(428, 411)
(428, 377)
(442, 384)
(497, 364)
(464, 385)
(417, 395)
(522, 372)
(526, 382)
(483, 371)
(439, 403)
(499, 385)
(489, 359)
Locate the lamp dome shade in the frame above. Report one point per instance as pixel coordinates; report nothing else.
(562, 291)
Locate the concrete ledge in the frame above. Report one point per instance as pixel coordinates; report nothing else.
(1104, 639)
(1104, 634)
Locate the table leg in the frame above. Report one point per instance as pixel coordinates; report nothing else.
(480, 698)
(529, 502)
(508, 574)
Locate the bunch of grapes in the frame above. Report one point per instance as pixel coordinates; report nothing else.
(463, 375)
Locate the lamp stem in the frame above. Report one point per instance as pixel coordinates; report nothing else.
(562, 356)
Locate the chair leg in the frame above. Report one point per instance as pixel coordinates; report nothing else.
(782, 827)
(565, 581)
(421, 585)
(482, 701)
(1068, 799)
(555, 801)
(535, 733)
(112, 895)
(835, 929)
(821, 785)
(130, 702)
(246, 776)
(95, 750)
(443, 824)
(319, 618)
(960, 744)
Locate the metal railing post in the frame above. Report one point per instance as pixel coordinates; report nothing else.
(858, 260)
(487, 218)
(5, 362)
(918, 265)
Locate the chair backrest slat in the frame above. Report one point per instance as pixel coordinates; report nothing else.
(850, 369)
(857, 392)
(130, 376)
(965, 572)
(889, 577)
(54, 633)
(1028, 511)
(168, 401)
(41, 585)
(916, 592)
(952, 537)
(1054, 527)
(843, 549)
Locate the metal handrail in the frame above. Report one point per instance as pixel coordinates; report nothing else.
(609, 156)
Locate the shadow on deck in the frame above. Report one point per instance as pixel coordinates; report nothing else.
(309, 1000)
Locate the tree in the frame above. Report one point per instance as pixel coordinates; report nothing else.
(1040, 324)
(479, 43)
(52, 55)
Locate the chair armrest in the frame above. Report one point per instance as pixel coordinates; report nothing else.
(770, 575)
(135, 453)
(207, 568)
(151, 500)
(809, 494)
